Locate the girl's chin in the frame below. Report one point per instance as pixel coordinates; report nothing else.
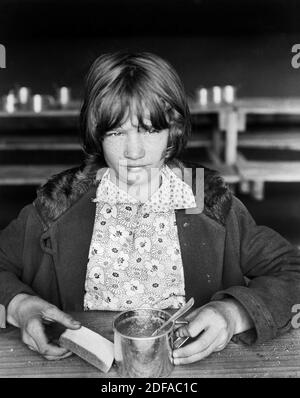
(134, 180)
(130, 179)
(137, 176)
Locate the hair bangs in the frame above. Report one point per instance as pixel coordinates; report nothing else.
(123, 103)
(151, 107)
(111, 110)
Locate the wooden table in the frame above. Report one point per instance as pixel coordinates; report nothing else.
(277, 358)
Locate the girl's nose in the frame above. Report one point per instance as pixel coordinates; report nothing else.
(134, 148)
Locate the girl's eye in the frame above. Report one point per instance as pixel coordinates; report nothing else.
(115, 133)
(150, 131)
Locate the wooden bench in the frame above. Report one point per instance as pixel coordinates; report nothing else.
(28, 174)
(33, 143)
(254, 174)
(283, 141)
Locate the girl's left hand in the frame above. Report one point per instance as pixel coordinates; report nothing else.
(215, 323)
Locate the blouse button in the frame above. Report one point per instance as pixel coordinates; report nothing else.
(186, 224)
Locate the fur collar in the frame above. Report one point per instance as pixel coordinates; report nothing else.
(64, 189)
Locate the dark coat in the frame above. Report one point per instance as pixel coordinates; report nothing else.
(45, 252)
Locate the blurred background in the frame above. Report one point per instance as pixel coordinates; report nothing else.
(234, 57)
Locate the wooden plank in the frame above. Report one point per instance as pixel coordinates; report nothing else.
(229, 173)
(26, 143)
(258, 189)
(28, 175)
(217, 142)
(275, 358)
(254, 105)
(59, 113)
(231, 140)
(196, 108)
(268, 106)
(199, 141)
(269, 171)
(285, 140)
(36, 146)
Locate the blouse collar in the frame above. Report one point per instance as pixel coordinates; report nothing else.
(172, 194)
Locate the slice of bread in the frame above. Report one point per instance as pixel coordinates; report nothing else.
(90, 346)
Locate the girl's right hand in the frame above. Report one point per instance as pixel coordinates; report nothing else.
(30, 313)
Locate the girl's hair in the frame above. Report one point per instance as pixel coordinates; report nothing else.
(121, 83)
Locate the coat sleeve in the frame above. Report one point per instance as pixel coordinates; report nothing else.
(11, 250)
(271, 266)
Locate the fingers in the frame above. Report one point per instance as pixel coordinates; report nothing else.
(199, 346)
(196, 325)
(210, 341)
(56, 358)
(192, 315)
(179, 323)
(53, 314)
(29, 341)
(31, 313)
(34, 337)
(33, 347)
(211, 331)
(195, 357)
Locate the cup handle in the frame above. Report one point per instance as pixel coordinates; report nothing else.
(180, 340)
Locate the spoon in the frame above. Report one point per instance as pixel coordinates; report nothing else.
(175, 316)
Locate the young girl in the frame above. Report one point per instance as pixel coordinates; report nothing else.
(135, 227)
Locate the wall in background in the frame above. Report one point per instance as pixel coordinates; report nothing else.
(259, 65)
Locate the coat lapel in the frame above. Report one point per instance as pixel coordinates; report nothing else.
(202, 243)
(71, 241)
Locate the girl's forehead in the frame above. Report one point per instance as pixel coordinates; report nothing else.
(135, 114)
(122, 112)
(134, 120)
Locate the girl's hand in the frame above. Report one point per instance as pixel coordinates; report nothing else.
(215, 323)
(30, 313)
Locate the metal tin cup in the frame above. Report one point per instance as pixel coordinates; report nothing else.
(229, 93)
(9, 103)
(137, 353)
(64, 96)
(202, 96)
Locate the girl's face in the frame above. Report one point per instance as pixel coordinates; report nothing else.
(135, 153)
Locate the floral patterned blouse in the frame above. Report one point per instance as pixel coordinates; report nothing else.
(134, 257)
